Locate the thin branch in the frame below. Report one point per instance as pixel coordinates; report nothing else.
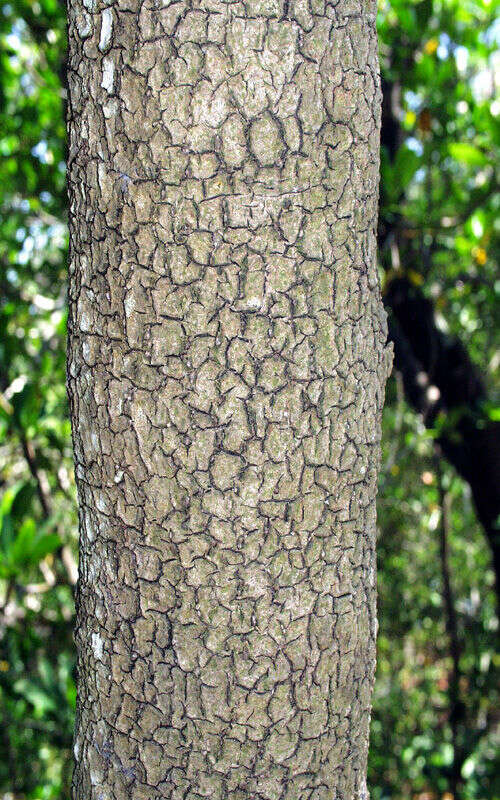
(456, 707)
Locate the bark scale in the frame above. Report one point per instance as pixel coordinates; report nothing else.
(226, 371)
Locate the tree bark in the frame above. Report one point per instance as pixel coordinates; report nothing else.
(226, 372)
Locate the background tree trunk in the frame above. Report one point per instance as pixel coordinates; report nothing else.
(439, 378)
(226, 371)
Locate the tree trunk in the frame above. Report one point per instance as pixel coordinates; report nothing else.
(226, 370)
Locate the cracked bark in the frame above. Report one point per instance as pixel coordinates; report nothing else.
(226, 371)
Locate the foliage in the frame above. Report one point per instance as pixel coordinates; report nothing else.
(37, 507)
(434, 711)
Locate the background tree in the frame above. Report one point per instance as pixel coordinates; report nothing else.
(438, 246)
(441, 58)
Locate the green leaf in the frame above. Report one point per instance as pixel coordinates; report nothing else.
(467, 154)
(43, 546)
(494, 413)
(405, 166)
(27, 405)
(34, 694)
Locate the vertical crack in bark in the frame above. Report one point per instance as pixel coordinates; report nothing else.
(226, 371)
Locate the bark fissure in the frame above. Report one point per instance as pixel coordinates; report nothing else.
(226, 370)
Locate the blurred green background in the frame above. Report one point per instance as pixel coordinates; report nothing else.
(436, 717)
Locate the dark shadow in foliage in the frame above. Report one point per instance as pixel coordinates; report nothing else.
(441, 383)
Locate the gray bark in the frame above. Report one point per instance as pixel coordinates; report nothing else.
(226, 372)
